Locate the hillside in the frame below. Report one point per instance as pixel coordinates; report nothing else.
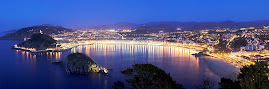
(28, 31)
(39, 42)
(79, 63)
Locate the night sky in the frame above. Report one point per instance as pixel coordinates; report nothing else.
(72, 13)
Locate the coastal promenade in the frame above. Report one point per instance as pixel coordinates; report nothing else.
(230, 58)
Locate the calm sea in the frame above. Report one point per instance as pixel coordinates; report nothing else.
(23, 70)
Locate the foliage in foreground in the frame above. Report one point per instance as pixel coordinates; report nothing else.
(148, 76)
(207, 84)
(250, 77)
(226, 83)
(118, 85)
(254, 76)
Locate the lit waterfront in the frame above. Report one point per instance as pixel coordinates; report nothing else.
(119, 55)
(226, 57)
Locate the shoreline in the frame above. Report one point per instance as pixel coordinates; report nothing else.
(220, 67)
(143, 42)
(41, 51)
(157, 43)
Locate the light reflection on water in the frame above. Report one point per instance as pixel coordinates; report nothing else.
(30, 58)
(178, 61)
(175, 60)
(149, 50)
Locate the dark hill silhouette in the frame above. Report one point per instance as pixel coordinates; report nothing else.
(39, 42)
(28, 31)
(79, 63)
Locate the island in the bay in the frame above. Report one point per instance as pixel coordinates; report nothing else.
(38, 43)
(81, 63)
(74, 63)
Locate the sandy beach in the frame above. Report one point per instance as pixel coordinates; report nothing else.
(221, 68)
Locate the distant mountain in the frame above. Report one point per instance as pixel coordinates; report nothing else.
(28, 31)
(173, 25)
(2, 33)
(120, 25)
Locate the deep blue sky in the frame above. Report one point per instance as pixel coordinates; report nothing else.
(70, 13)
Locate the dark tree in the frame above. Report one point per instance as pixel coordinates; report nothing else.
(148, 76)
(118, 85)
(254, 76)
(226, 83)
(207, 84)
